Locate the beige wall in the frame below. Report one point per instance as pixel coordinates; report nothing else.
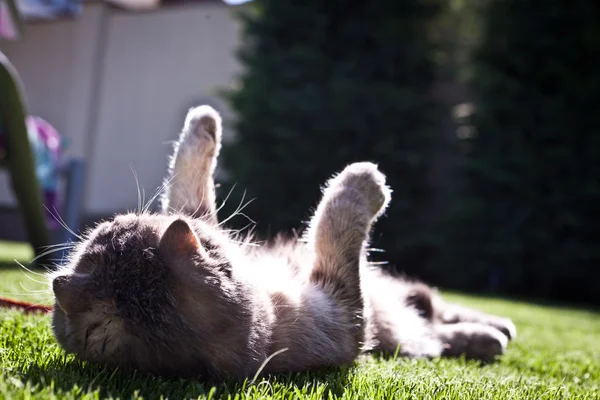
(119, 84)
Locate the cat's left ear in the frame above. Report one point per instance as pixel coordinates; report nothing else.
(179, 240)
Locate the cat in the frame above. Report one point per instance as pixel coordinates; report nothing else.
(175, 294)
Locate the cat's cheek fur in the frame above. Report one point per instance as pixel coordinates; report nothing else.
(60, 329)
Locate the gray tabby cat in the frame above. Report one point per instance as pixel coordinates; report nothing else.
(175, 294)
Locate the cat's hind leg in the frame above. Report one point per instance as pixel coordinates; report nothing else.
(338, 232)
(471, 339)
(461, 330)
(449, 313)
(189, 187)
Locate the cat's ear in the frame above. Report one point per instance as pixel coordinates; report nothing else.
(70, 293)
(179, 240)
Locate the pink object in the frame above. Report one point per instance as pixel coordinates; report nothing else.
(8, 27)
(46, 146)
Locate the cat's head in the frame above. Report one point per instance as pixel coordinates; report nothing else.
(149, 292)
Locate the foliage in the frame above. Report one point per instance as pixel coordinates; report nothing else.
(525, 222)
(328, 83)
(456, 31)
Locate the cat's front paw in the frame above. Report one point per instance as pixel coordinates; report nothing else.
(202, 131)
(365, 179)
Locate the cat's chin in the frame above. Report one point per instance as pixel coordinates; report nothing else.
(59, 328)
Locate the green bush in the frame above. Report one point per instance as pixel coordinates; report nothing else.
(526, 221)
(328, 83)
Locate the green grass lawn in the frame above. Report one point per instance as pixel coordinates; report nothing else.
(556, 355)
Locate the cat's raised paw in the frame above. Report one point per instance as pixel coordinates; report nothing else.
(366, 179)
(203, 122)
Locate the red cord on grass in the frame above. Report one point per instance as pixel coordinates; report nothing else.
(26, 306)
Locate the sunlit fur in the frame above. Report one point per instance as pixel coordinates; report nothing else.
(175, 294)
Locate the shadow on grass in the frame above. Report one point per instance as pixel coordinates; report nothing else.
(71, 376)
(384, 356)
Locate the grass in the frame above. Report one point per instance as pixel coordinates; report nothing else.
(556, 355)
(9, 251)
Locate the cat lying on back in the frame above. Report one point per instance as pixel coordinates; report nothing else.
(174, 294)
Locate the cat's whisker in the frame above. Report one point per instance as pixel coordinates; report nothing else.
(51, 251)
(378, 262)
(47, 293)
(259, 384)
(27, 276)
(62, 223)
(146, 207)
(40, 300)
(264, 363)
(43, 292)
(252, 222)
(56, 263)
(29, 270)
(242, 243)
(143, 198)
(160, 190)
(58, 244)
(182, 207)
(137, 184)
(35, 280)
(65, 226)
(239, 209)
(170, 182)
(237, 232)
(226, 198)
(35, 292)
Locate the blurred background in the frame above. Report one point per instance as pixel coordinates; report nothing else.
(484, 115)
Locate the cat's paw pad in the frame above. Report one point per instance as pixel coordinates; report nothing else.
(202, 128)
(366, 179)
